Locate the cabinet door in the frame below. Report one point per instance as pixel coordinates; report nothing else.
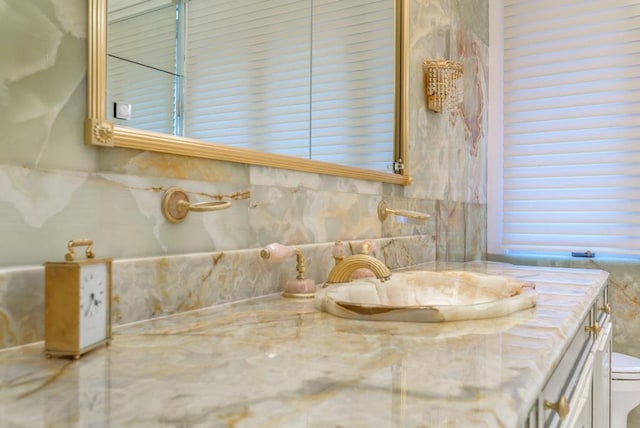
(602, 379)
(581, 405)
(571, 380)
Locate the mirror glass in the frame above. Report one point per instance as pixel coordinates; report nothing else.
(307, 84)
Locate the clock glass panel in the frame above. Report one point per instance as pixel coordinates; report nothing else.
(93, 303)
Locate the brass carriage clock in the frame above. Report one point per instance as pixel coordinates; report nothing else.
(77, 303)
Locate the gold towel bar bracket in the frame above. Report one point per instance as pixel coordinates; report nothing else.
(176, 205)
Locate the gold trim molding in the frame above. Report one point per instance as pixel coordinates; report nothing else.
(100, 132)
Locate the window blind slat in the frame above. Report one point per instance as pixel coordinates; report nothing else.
(572, 126)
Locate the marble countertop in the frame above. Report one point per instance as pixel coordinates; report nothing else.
(277, 362)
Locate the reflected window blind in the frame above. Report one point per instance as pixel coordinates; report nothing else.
(247, 74)
(257, 86)
(572, 126)
(141, 65)
(352, 83)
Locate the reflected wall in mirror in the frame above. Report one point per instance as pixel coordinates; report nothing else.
(297, 84)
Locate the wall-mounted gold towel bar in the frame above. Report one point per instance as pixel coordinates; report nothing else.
(176, 205)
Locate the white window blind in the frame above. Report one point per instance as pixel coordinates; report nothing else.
(252, 82)
(571, 126)
(141, 64)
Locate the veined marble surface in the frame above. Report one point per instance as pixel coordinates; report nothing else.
(277, 362)
(150, 287)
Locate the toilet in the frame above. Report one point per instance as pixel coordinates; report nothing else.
(625, 387)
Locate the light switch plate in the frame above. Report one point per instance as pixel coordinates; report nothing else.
(122, 111)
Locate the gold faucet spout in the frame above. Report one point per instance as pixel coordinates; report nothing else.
(342, 271)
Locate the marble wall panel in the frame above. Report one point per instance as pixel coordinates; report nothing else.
(450, 148)
(43, 51)
(21, 305)
(43, 209)
(475, 240)
(450, 234)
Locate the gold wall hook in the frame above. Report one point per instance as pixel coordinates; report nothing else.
(176, 205)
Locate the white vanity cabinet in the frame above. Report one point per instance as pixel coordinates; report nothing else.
(578, 392)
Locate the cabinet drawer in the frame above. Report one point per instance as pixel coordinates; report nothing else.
(564, 380)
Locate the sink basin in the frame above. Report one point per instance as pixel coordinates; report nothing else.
(425, 296)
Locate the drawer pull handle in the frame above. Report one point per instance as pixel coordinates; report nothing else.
(606, 308)
(561, 407)
(595, 329)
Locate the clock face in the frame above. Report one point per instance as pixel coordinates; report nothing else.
(94, 303)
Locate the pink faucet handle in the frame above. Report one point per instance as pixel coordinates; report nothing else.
(339, 252)
(276, 253)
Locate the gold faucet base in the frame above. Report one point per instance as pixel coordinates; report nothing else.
(342, 271)
(298, 295)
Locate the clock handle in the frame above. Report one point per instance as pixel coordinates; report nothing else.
(79, 243)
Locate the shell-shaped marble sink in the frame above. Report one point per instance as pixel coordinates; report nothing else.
(425, 296)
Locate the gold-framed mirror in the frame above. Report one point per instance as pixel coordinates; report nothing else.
(101, 131)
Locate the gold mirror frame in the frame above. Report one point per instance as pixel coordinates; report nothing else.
(100, 132)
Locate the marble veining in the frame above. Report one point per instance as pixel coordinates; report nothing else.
(277, 362)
